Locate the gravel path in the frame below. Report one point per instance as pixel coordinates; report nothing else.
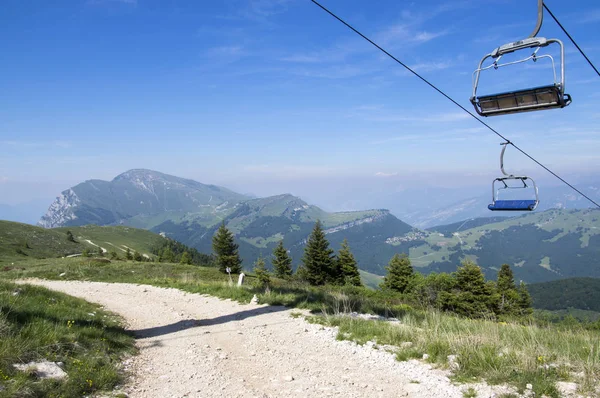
(199, 346)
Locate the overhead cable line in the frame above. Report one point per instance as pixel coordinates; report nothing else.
(454, 102)
(571, 38)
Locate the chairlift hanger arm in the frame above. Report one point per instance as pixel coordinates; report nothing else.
(540, 19)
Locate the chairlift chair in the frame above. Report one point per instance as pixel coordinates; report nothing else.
(528, 99)
(498, 204)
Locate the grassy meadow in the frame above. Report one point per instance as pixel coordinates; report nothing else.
(37, 324)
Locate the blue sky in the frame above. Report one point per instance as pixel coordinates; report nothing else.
(270, 96)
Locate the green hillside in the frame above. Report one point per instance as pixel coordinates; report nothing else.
(23, 241)
(554, 244)
(260, 224)
(449, 229)
(370, 280)
(115, 238)
(577, 293)
(20, 242)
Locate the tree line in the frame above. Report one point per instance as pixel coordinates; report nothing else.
(320, 265)
(465, 292)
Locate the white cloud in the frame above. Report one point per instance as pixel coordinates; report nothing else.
(303, 58)
(382, 174)
(403, 34)
(431, 66)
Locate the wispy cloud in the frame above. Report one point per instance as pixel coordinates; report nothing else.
(230, 51)
(383, 174)
(302, 58)
(381, 114)
(335, 71)
(431, 66)
(404, 34)
(591, 16)
(258, 11)
(36, 144)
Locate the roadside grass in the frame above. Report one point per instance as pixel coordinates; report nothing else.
(37, 324)
(497, 352)
(515, 353)
(208, 280)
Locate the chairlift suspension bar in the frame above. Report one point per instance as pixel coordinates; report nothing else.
(540, 18)
(504, 144)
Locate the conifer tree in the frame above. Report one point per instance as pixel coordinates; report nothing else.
(400, 274)
(318, 260)
(70, 237)
(508, 297)
(128, 254)
(282, 262)
(113, 255)
(472, 295)
(347, 266)
(262, 274)
(185, 258)
(137, 256)
(99, 251)
(226, 251)
(86, 253)
(524, 300)
(506, 280)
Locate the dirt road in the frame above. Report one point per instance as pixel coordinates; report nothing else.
(199, 346)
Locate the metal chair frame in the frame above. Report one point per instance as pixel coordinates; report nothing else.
(512, 205)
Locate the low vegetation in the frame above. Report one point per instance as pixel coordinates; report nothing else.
(39, 325)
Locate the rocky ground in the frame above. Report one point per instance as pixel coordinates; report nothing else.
(199, 346)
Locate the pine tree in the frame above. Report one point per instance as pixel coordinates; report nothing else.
(262, 274)
(137, 256)
(506, 280)
(70, 237)
(508, 297)
(282, 262)
(400, 274)
(226, 251)
(472, 295)
(99, 251)
(524, 300)
(185, 258)
(113, 255)
(167, 255)
(347, 266)
(318, 260)
(128, 255)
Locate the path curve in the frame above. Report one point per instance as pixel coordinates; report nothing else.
(195, 345)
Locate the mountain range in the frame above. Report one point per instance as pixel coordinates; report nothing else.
(541, 246)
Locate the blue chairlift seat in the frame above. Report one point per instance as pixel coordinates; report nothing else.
(513, 205)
